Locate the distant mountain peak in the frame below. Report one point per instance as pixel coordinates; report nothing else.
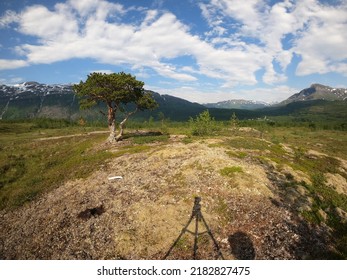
(32, 99)
(34, 87)
(237, 104)
(318, 86)
(318, 92)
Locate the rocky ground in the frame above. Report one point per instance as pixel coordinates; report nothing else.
(139, 215)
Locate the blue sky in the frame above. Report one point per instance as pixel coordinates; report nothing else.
(199, 50)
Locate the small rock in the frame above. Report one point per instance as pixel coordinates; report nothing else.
(342, 214)
(323, 214)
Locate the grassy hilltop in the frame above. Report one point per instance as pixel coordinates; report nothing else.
(280, 186)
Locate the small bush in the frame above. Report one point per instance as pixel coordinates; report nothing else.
(313, 217)
(203, 125)
(52, 123)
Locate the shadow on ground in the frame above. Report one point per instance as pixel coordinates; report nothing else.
(241, 246)
(310, 239)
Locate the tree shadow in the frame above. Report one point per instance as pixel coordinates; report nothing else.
(139, 133)
(241, 246)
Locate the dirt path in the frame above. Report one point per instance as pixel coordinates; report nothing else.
(140, 215)
(72, 135)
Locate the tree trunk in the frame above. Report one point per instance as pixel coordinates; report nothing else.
(119, 137)
(111, 117)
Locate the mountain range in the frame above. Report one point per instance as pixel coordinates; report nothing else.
(35, 100)
(314, 92)
(32, 100)
(237, 104)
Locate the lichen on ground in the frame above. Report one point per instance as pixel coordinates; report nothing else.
(140, 215)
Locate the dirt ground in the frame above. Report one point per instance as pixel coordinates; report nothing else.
(140, 215)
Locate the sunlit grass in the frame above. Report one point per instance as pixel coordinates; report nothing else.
(30, 166)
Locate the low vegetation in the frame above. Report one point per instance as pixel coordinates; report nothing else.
(239, 167)
(230, 171)
(203, 124)
(32, 163)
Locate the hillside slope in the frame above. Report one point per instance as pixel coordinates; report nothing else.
(312, 110)
(35, 100)
(316, 92)
(258, 198)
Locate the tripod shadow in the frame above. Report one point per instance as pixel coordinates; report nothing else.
(241, 246)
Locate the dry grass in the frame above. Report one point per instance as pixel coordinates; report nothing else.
(143, 213)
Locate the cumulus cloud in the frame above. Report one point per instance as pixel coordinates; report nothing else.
(322, 44)
(74, 30)
(8, 18)
(205, 94)
(47, 25)
(98, 9)
(11, 80)
(317, 32)
(244, 38)
(6, 64)
(79, 29)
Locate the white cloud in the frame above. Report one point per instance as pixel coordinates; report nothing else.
(244, 37)
(272, 77)
(100, 9)
(6, 64)
(8, 18)
(317, 31)
(150, 18)
(85, 7)
(206, 94)
(322, 45)
(340, 68)
(39, 21)
(160, 36)
(270, 94)
(11, 80)
(142, 73)
(170, 72)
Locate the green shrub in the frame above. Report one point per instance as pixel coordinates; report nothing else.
(52, 123)
(203, 124)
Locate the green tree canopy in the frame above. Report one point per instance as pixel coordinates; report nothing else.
(116, 90)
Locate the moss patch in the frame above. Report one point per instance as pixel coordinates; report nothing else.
(230, 171)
